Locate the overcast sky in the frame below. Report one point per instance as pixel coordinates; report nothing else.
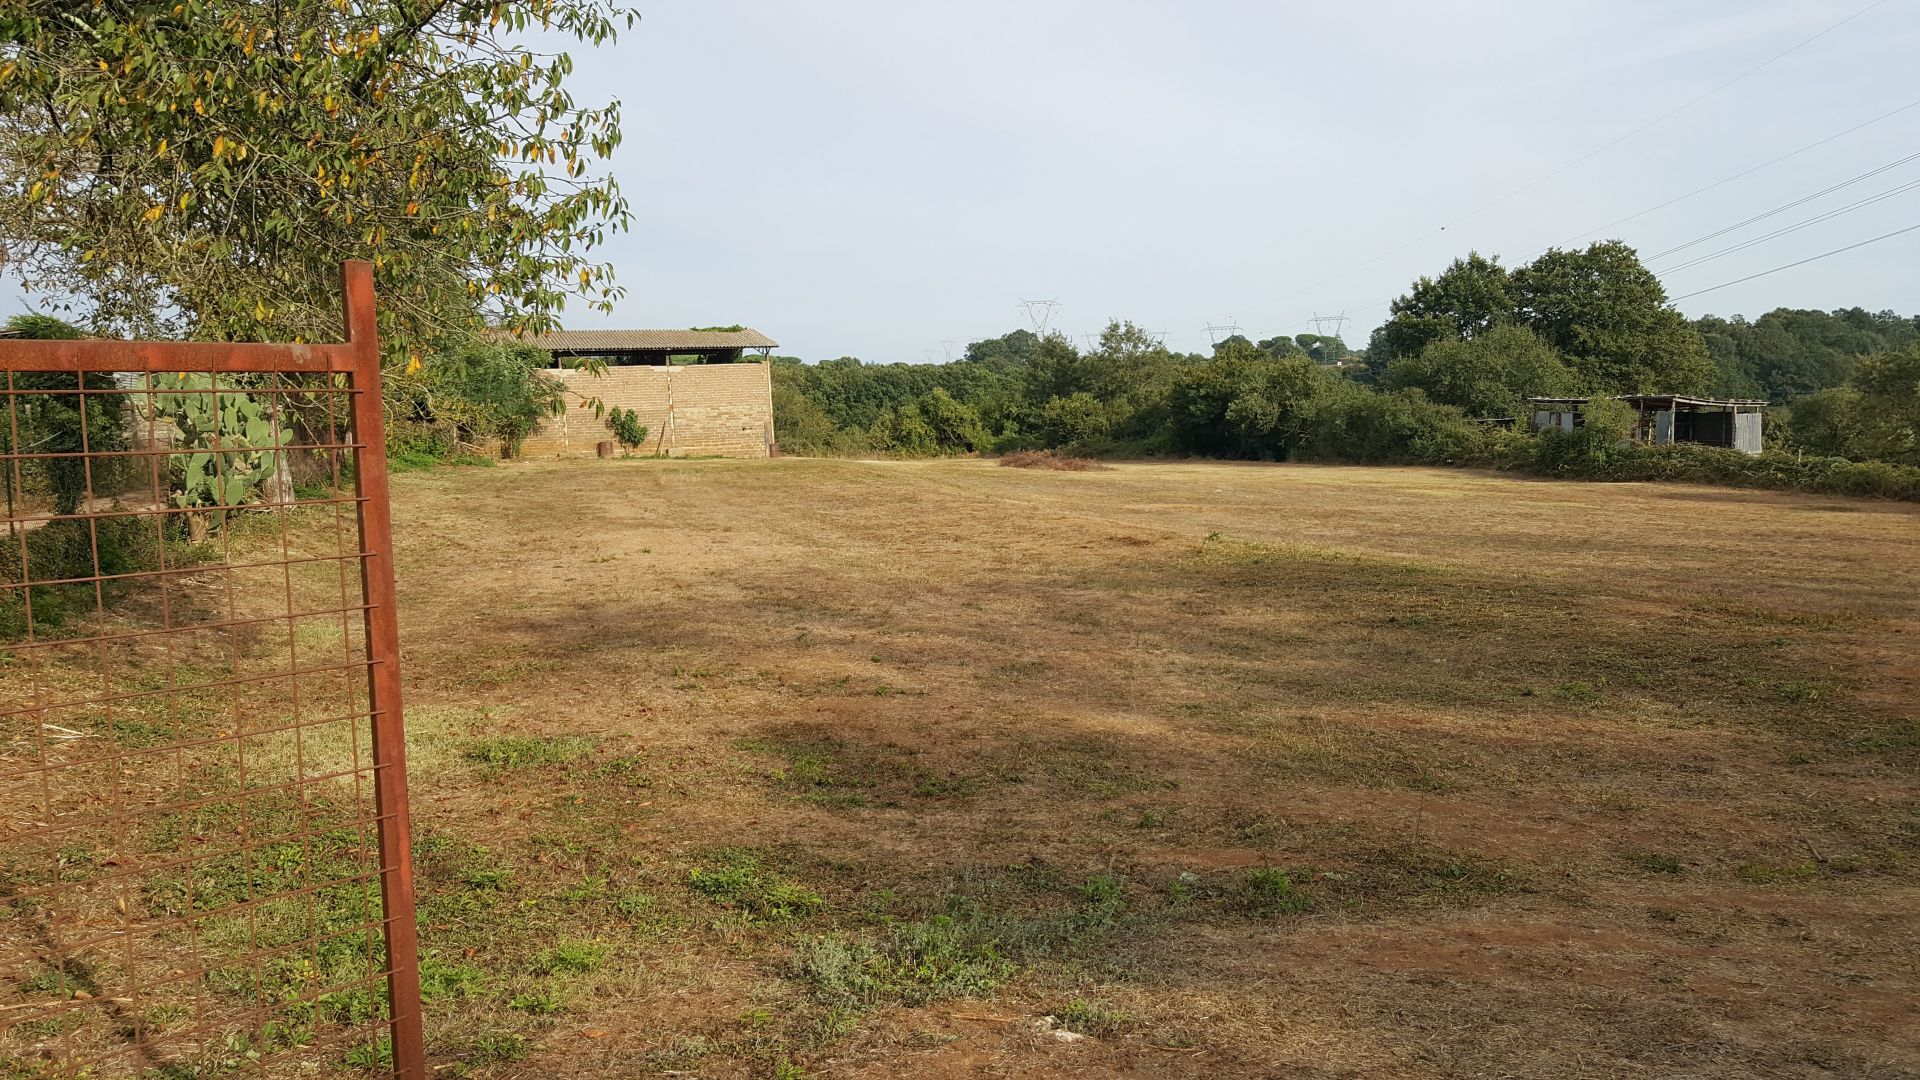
(887, 180)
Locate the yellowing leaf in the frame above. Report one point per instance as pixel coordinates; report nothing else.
(153, 214)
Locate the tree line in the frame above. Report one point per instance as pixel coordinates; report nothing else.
(1440, 380)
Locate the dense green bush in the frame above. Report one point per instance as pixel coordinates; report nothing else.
(1571, 456)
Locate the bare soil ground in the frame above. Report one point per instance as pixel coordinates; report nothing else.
(865, 769)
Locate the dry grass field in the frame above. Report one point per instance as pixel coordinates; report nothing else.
(940, 769)
(857, 769)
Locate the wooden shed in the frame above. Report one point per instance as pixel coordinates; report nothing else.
(1732, 423)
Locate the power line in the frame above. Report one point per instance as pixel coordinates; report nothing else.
(1670, 113)
(1730, 179)
(1783, 207)
(1791, 265)
(1796, 226)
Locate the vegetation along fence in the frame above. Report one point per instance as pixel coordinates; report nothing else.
(204, 865)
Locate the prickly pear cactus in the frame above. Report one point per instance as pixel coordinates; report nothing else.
(235, 447)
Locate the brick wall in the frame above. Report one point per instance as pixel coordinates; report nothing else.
(690, 410)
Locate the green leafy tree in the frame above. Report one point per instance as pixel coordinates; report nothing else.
(202, 166)
(490, 390)
(956, 427)
(54, 423)
(1353, 423)
(1889, 386)
(1827, 423)
(1243, 403)
(1279, 347)
(1609, 316)
(1470, 297)
(1073, 421)
(1056, 370)
(1491, 374)
(1007, 354)
(802, 427)
(1788, 353)
(904, 430)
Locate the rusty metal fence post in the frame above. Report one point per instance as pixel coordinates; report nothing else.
(205, 863)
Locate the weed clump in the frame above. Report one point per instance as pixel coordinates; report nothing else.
(1087, 1018)
(915, 963)
(1270, 891)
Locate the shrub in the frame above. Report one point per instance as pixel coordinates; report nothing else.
(914, 963)
(627, 429)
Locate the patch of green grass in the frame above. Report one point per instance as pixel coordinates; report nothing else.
(1088, 1018)
(376, 1056)
(1102, 899)
(497, 1046)
(912, 963)
(1654, 862)
(1578, 692)
(488, 878)
(1270, 891)
(439, 979)
(539, 1001)
(737, 880)
(502, 752)
(572, 958)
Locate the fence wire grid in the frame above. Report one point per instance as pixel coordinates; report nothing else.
(203, 831)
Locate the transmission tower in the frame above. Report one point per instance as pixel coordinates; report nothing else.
(1039, 313)
(1339, 323)
(947, 347)
(1221, 331)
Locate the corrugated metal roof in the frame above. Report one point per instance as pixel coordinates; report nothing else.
(1677, 399)
(592, 341)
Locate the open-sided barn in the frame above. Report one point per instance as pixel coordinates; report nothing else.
(700, 393)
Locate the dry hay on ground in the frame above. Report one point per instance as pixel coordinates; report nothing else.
(1049, 459)
(733, 769)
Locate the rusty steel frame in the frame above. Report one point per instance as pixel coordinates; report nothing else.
(350, 370)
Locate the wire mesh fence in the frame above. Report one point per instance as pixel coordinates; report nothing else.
(203, 834)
